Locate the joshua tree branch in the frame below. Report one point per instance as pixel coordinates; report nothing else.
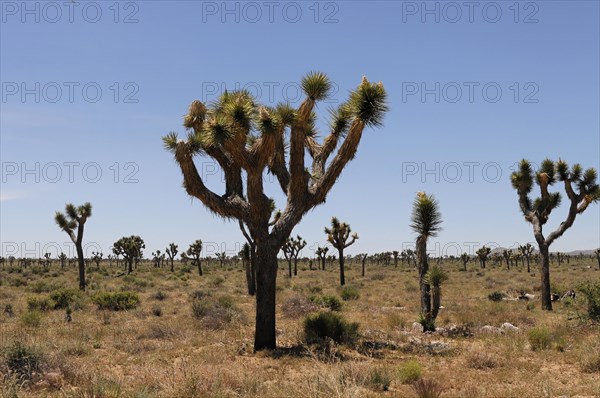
(233, 206)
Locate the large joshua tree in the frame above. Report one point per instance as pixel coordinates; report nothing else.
(581, 189)
(339, 236)
(597, 253)
(73, 219)
(426, 221)
(247, 139)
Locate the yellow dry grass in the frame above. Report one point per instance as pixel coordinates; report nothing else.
(161, 350)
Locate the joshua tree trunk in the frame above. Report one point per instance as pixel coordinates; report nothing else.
(289, 260)
(364, 260)
(129, 266)
(81, 262)
(421, 250)
(295, 266)
(528, 266)
(342, 276)
(436, 298)
(266, 277)
(545, 292)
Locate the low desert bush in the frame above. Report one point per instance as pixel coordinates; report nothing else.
(409, 372)
(331, 302)
(322, 325)
(349, 293)
(117, 301)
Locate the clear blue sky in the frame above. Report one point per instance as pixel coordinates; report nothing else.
(543, 56)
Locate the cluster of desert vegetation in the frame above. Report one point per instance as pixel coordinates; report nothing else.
(270, 323)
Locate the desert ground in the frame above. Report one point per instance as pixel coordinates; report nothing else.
(191, 335)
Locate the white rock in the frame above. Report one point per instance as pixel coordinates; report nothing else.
(488, 329)
(509, 327)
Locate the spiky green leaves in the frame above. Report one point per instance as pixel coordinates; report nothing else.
(216, 131)
(546, 174)
(436, 276)
(522, 180)
(195, 249)
(368, 103)
(340, 119)
(426, 218)
(316, 86)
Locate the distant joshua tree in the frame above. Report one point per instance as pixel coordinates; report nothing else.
(482, 255)
(321, 252)
(507, 255)
(75, 218)
(157, 258)
(465, 259)
(194, 252)
(582, 190)
(130, 248)
(62, 257)
(172, 252)
(291, 249)
(221, 257)
(338, 235)
(364, 260)
(97, 258)
(526, 251)
(395, 253)
(426, 220)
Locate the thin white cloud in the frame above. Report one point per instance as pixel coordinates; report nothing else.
(6, 196)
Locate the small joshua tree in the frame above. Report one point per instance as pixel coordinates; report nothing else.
(465, 259)
(338, 235)
(62, 257)
(130, 248)
(581, 188)
(291, 249)
(482, 255)
(435, 277)
(74, 219)
(426, 222)
(321, 252)
(172, 252)
(221, 257)
(526, 251)
(194, 252)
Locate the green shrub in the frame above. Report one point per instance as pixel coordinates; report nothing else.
(496, 296)
(539, 338)
(349, 293)
(22, 360)
(38, 304)
(41, 287)
(380, 379)
(8, 310)
(118, 301)
(217, 281)
(31, 318)
(591, 291)
(331, 302)
(64, 298)
(328, 324)
(410, 372)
